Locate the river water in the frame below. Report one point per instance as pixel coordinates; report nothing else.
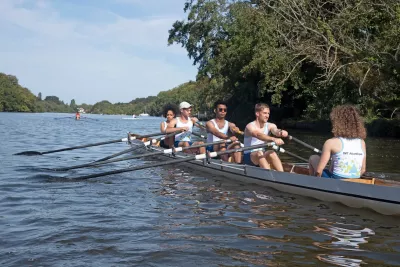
(170, 216)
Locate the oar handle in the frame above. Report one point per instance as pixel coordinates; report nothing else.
(316, 150)
(199, 135)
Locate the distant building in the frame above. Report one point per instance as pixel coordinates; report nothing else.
(81, 110)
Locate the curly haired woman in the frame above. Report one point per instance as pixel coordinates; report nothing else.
(346, 149)
(169, 112)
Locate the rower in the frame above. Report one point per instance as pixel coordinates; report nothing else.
(77, 116)
(257, 132)
(169, 112)
(187, 122)
(218, 129)
(347, 148)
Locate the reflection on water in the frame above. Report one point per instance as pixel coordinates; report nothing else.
(340, 260)
(342, 238)
(256, 226)
(169, 216)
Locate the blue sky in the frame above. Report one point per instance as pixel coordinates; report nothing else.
(93, 50)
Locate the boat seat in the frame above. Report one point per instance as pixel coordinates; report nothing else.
(363, 181)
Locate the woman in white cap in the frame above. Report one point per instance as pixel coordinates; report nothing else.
(185, 121)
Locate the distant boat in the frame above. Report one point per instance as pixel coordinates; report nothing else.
(144, 114)
(134, 117)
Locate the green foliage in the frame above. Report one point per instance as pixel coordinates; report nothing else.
(13, 97)
(306, 55)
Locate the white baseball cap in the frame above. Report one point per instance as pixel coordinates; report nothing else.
(184, 104)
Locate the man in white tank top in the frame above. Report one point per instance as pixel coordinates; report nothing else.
(256, 132)
(185, 121)
(218, 129)
(346, 149)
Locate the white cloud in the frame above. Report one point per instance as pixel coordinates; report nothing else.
(117, 60)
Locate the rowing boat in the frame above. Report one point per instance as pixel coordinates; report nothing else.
(382, 196)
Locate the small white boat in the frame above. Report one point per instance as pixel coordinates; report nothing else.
(144, 114)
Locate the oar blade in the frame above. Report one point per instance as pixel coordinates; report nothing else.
(29, 153)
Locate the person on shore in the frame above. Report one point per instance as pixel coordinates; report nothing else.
(347, 149)
(257, 132)
(169, 112)
(219, 129)
(185, 121)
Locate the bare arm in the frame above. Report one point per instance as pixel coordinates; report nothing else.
(325, 156)
(172, 127)
(364, 164)
(234, 129)
(277, 132)
(257, 133)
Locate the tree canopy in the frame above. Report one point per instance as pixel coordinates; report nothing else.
(306, 54)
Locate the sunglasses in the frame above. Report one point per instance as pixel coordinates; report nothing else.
(222, 109)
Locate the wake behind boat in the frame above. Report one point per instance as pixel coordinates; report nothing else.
(134, 117)
(382, 196)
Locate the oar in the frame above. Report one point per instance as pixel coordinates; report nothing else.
(316, 150)
(199, 135)
(279, 149)
(174, 161)
(131, 149)
(35, 153)
(166, 151)
(201, 126)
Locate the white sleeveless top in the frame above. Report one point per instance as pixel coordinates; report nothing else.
(348, 162)
(252, 141)
(165, 125)
(185, 136)
(224, 130)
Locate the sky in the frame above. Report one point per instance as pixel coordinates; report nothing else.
(93, 50)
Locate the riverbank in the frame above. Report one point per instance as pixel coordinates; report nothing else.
(376, 128)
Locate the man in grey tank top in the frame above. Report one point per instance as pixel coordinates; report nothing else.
(257, 132)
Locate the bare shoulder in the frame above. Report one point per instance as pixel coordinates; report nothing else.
(334, 144)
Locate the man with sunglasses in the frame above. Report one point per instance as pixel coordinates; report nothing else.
(185, 121)
(257, 132)
(219, 129)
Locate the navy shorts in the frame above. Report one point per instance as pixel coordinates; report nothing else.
(247, 160)
(210, 148)
(163, 144)
(327, 174)
(176, 143)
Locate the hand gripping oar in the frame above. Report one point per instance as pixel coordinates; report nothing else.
(153, 141)
(316, 150)
(174, 161)
(35, 153)
(166, 151)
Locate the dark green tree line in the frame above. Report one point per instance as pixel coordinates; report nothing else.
(309, 54)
